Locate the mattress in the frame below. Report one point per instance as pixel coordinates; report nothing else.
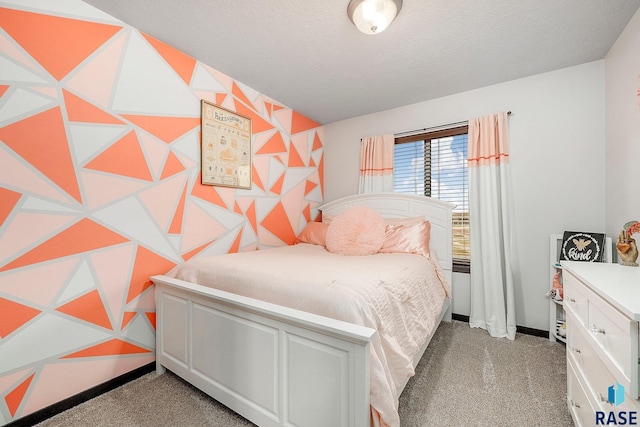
(399, 295)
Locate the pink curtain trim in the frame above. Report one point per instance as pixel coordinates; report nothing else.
(487, 160)
(376, 164)
(488, 140)
(376, 153)
(376, 172)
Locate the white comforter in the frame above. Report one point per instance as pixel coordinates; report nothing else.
(399, 295)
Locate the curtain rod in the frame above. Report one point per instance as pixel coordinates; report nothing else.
(434, 128)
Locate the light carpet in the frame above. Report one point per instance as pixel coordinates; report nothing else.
(465, 378)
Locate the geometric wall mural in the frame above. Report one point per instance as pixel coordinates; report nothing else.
(100, 189)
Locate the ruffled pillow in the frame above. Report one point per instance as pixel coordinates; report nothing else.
(356, 231)
(413, 239)
(314, 233)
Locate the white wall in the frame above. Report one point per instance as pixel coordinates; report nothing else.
(622, 82)
(557, 158)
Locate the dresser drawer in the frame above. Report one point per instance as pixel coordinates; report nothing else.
(579, 351)
(581, 408)
(583, 402)
(575, 299)
(613, 336)
(598, 376)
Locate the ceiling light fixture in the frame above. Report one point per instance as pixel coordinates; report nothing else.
(373, 16)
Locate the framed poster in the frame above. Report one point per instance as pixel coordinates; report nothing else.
(225, 147)
(582, 246)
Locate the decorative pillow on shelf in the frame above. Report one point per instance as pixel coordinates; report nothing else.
(314, 233)
(356, 231)
(413, 239)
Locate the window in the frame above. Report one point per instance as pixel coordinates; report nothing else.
(435, 164)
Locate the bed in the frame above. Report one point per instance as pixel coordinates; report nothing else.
(279, 359)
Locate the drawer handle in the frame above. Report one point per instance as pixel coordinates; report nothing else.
(602, 399)
(575, 405)
(596, 330)
(576, 350)
(572, 300)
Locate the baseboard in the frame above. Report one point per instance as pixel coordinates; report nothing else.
(79, 398)
(532, 331)
(521, 329)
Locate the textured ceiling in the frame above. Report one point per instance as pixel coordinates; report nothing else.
(308, 56)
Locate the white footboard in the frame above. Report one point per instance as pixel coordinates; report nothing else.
(274, 365)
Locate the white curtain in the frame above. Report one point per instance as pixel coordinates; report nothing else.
(376, 164)
(490, 208)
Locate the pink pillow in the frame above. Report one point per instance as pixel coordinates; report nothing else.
(314, 233)
(356, 231)
(403, 221)
(413, 220)
(413, 239)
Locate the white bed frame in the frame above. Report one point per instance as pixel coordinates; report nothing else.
(274, 365)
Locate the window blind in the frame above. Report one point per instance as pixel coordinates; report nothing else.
(435, 165)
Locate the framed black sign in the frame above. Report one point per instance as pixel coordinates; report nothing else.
(582, 246)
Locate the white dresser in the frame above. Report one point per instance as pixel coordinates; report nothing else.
(602, 304)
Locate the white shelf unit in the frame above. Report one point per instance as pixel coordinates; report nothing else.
(556, 308)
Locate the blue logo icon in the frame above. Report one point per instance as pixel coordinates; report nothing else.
(616, 394)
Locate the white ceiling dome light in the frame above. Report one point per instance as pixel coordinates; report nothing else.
(373, 16)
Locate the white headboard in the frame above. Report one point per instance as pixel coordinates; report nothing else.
(398, 205)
